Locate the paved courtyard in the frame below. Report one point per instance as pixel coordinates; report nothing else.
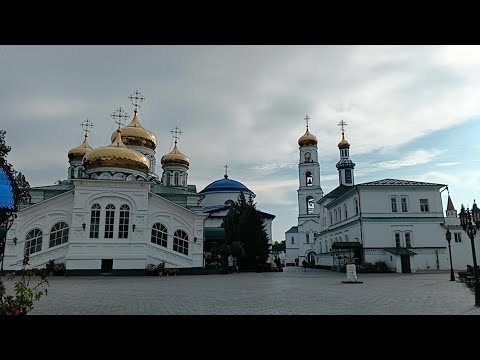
(292, 292)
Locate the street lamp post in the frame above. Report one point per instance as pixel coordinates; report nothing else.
(470, 221)
(448, 236)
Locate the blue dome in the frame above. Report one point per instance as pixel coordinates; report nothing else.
(225, 185)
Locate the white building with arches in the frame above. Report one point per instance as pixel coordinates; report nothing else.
(114, 214)
(399, 222)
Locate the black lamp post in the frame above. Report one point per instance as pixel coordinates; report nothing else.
(448, 236)
(470, 221)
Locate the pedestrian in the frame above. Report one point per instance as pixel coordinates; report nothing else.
(231, 261)
(304, 264)
(235, 264)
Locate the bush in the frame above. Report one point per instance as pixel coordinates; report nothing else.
(378, 267)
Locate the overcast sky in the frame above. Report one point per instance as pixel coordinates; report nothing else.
(412, 111)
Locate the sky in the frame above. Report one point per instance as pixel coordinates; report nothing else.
(412, 111)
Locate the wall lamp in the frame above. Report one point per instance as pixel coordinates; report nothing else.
(194, 240)
(133, 227)
(15, 241)
(84, 226)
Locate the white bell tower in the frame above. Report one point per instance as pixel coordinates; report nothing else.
(309, 191)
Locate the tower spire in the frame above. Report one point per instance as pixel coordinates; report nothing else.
(136, 98)
(176, 132)
(119, 116)
(86, 126)
(342, 124)
(226, 173)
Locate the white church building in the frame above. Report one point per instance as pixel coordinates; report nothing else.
(115, 215)
(399, 222)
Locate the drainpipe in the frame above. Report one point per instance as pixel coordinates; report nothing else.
(360, 220)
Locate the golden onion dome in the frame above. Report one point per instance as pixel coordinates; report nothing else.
(344, 143)
(77, 153)
(136, 135)
(175, 157)
(116, 155)
(307, 139)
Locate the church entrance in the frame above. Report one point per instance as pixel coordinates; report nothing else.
(107, 266)
(405, 259)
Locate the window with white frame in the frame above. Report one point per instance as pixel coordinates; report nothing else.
(109, 219)
(175, 179)
(123, 221)
(393, 201)
(33, 241)
(397, 239)
(94, 221)
(458, 237)
(180, 242)
(331, 218)
(403, 201)
(159, 234)
(336, 215)
(408, 240)
(58, 234)
(348, 176)
(424, 205)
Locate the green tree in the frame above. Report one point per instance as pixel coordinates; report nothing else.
(25, 294)
(244, 225)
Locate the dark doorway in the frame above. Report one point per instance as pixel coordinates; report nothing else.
(107, 266)
(405, 263)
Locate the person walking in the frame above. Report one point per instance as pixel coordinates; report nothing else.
(231, 261)
(304, 264)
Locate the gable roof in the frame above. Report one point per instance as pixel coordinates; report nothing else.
(293, 229)
(397, 182)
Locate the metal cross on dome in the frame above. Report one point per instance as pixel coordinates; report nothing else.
(176, 132)
(119, 116)
(306, 120)
(342, 124)
(86, 126)
(136, 98)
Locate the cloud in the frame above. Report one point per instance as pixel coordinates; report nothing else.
(238, 105)
(448, 164)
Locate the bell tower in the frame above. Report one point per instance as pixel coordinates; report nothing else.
(309, 191)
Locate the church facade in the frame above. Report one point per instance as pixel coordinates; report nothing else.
(114, 214)
(399, 222)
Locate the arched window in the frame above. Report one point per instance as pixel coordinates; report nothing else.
(94, 221)
(159, 234)
(33, 241)
(336, 215)
(307, 238)
(176, 181)
(167, 178)
(309, 178)
(293, 240)
(180, 242)
(339, 213)
(346, 238)
(58, 234)
(356, 206)
(109, 219)
(80, 172)
(123, 221)
(345, 210)
(72, 173)
(331, 218)
(310, 204)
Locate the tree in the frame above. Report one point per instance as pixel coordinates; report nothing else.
(244, 225)
(25, 294)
